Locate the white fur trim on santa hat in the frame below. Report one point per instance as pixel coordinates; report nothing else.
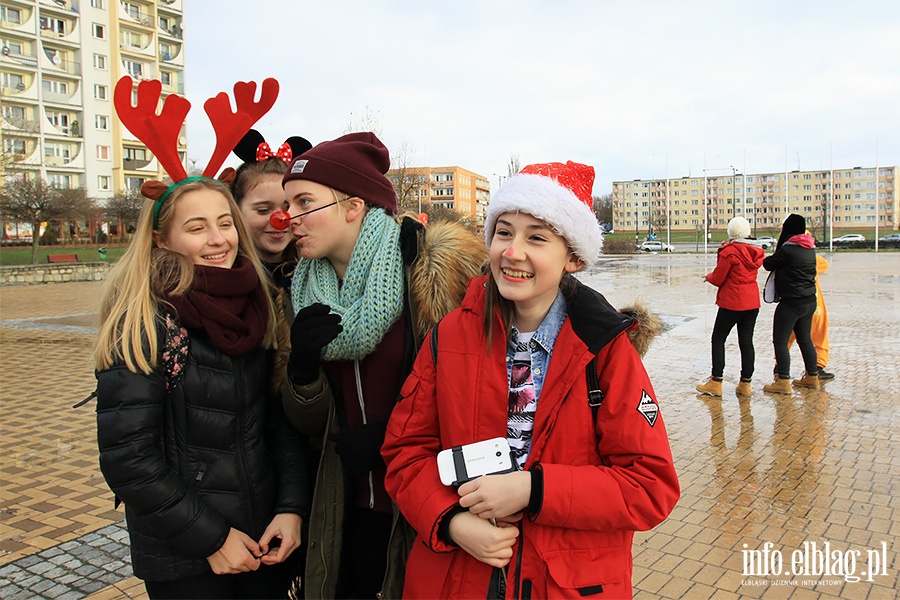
(545, 199)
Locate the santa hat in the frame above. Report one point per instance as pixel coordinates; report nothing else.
(558, 194)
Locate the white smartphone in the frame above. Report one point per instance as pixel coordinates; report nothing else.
(460, 464)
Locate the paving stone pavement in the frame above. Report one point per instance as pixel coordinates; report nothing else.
(794, 471)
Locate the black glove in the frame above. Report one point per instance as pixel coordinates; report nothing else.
(360, 448)
(314, 327)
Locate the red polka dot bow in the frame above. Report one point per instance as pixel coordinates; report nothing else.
(264, 152)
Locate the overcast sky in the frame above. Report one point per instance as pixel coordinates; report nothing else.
(627, 87)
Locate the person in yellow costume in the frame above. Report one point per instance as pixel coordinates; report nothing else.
(819, 331)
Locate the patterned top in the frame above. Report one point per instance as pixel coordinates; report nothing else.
(522, 400)
(527, 360)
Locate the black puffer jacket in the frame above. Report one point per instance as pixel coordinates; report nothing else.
(794, 264)
(217, 452)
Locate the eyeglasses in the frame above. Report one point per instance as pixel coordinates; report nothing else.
(281, 219)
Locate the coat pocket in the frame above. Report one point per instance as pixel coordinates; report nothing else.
(599, 572)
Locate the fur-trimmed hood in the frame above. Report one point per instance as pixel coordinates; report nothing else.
(441, 259)
(649, 326)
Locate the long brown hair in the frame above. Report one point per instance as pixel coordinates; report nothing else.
(133, 291)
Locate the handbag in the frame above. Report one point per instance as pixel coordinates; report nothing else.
(770, 295)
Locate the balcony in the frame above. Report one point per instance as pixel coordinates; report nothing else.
(15, 58)
(59, 63)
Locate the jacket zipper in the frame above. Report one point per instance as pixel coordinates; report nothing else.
(239, 414)
(365, 421)
(521, 545)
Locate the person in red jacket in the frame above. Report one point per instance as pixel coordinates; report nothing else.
(738, 299)
(511, 362)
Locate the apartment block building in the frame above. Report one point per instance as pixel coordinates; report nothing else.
(454, 188)
(59, 65)
(861, 194)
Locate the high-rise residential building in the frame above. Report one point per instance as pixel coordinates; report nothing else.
(60, 63)
(647, 206)
(454, 188)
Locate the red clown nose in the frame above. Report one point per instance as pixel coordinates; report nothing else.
(280, 220)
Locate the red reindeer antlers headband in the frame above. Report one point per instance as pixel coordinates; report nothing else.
(160, 132)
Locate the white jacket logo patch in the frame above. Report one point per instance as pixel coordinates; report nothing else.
(648, 408)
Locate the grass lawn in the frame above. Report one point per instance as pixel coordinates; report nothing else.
(21, 255)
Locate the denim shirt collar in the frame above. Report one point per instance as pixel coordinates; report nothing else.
(548, 330)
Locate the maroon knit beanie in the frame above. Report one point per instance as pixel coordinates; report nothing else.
(354, 164)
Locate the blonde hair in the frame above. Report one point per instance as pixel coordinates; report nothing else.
(134, 290)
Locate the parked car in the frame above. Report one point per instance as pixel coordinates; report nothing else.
(765, 242)
(891, 237)
(654, 246)
(848, 238)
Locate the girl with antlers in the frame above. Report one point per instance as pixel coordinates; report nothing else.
(257, 190)
(191, 433)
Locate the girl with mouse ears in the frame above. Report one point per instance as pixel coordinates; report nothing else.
(528, 356)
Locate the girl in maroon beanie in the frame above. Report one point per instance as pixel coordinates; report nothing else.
(367, 288)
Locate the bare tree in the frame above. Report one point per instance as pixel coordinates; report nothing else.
(603, 208)
(513, 166)
(368, 121)
(35, 201)
(408, 181)
(125, 207)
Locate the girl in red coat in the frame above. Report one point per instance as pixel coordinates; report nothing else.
(738, 299)
(511, 363)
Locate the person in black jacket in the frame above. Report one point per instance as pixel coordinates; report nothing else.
(192, 435)
(794, 264)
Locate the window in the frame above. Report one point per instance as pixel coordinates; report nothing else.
(14, 114)
(101, 122)
(48, 24)
(11, 15)
(58, 120)
(166, 51)
(165, 77)
(12, 80)
(104, 183)
(100, 92)
(100, 62)
(11, 146)
(135, 154)
(165, 23)
(133, 10)
(63, 181)
(132, 39)
(98, 31)
(135, 69)
(97, 4)
(103, 152)
(52, 150)
(134, 183)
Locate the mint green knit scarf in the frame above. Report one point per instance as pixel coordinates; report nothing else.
(370, 300)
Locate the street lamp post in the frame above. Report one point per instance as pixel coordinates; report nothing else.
(733, 191)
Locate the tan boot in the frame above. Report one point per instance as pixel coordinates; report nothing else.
(711, 387)
(808, 381)
(779, 386)
(743, 388)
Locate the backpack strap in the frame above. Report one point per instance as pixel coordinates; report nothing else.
(595, 394)
(433, 343)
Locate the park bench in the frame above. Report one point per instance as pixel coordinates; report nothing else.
(62, 258)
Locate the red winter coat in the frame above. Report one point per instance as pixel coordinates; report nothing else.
(601, 482)
(735, 276)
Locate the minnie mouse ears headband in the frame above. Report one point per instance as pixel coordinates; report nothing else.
(159, 132)
(253, 148)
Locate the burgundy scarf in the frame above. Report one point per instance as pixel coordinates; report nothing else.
(228, 304)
